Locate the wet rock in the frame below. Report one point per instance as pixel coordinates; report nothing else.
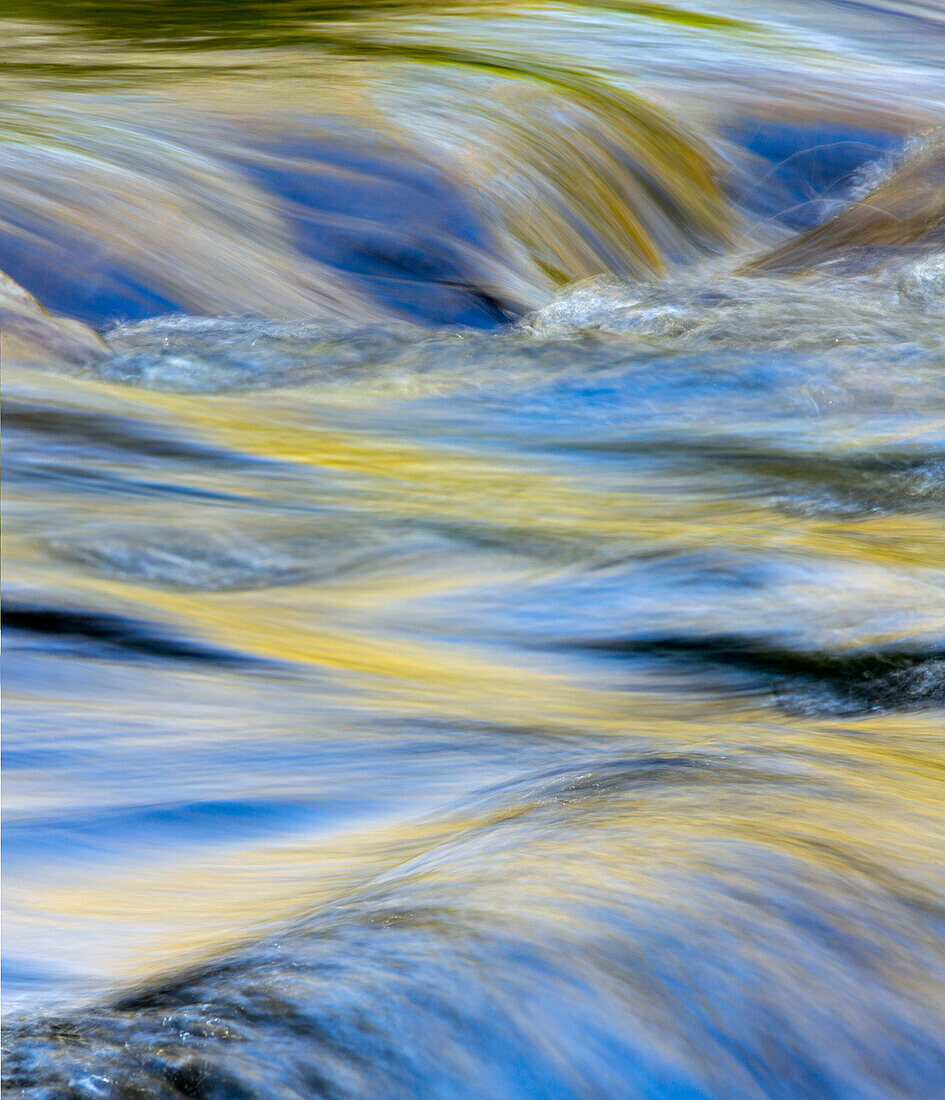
(31, 334)
(904, 212)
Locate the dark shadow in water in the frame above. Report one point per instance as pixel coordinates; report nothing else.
(808, 481)
(809, 680)
(198, 24)
(95, 633)
(67, 429)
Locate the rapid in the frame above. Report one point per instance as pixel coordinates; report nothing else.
(474, 549)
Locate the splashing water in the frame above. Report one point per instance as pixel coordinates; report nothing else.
(474, 482)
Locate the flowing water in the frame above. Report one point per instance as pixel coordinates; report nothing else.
(474, 558)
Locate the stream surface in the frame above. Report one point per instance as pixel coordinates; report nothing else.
(474, 549)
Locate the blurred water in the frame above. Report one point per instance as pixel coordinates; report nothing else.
(474, 580)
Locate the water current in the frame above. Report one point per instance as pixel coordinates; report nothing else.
(474, 563)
